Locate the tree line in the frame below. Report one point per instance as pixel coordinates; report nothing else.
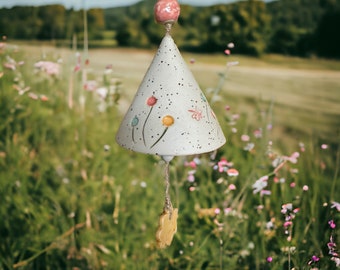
(291, 27)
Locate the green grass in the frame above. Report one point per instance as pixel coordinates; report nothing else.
(72, 199)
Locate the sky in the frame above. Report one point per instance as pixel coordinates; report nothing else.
(77, 4)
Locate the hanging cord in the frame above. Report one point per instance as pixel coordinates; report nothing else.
(167, 205)
(168, 27)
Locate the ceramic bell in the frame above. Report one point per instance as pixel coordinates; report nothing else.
(170, 115)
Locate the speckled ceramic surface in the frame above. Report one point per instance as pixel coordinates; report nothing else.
(170, 116)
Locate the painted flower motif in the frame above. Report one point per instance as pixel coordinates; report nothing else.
(196, 114)
(134, 123)
(167, 121)
(151, 101)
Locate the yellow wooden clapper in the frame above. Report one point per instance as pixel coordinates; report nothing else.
(167, 227)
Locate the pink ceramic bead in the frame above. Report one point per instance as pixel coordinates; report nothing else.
(167, 11)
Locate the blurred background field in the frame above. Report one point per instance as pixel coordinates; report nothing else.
(71, 198)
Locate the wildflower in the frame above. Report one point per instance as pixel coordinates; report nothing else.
(227, 52)
(231, 45)
(314, 259)
(90, 85)
(102, 92)
(286, 207)
(232, 187)
(293, 158)
(332, 224)
(232, 172)
(143, 184)
(191, 189)
(191, 164)
(191, 176)
(249, 147)
(245, 138)
(227, 107)
(305, 188)
(43, 98)
(324, 146)
(21, 90)
(269, 259)
(48, 67)
(258, 133)
(265, 192)
(302, 147)
(260, 184)
(223, 165)
(292, 185)
(33, 96)
(336, 205)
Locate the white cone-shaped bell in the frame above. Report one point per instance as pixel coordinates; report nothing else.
(170, 115)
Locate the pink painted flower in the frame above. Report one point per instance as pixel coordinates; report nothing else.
(196, 114)
(151, 101)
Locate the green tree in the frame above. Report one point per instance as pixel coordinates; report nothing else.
(327, 34)
(53, 18)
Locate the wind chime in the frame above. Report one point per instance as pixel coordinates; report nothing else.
(169, 115)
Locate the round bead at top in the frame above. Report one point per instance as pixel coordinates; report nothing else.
(167, 11)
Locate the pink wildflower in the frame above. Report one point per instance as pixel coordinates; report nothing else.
(336, 205)
(227, 52)
(232, 187)
(90, 85)
(245, 138)
(293, 158)
(332, 224)
(324, 146)
(232, 172)
(260, 184)
(50, 68)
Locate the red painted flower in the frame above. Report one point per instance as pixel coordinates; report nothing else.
(151, 101)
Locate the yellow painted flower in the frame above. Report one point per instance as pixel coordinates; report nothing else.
(168, 120)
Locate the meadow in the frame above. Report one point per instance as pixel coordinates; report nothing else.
(71, 198)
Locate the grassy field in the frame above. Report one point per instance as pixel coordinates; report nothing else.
(72, 199)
